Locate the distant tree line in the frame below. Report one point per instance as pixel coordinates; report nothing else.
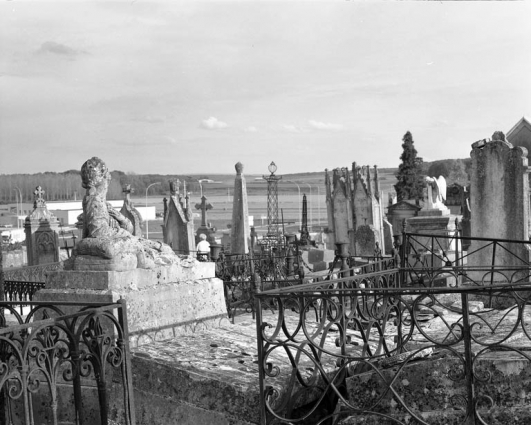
(453, 170)
(66, 186)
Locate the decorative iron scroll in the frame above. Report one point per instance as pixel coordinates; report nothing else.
(361, 347)
(46, 356)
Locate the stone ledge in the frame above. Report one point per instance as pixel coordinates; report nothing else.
(188, 269)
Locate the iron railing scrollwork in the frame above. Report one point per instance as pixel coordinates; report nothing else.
(353, 347)
(49, 358)
(21, 291)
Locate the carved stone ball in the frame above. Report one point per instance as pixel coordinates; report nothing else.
(239, 168)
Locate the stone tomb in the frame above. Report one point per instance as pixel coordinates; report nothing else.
(161, 302)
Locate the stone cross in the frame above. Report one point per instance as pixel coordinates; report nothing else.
(204, 207)
(39, 197)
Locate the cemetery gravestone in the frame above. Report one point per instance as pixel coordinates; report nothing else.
(42, 236)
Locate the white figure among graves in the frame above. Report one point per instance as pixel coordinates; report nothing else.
(436, 193)
(203, 248)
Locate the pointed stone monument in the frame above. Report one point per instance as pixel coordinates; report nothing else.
(178, 227)
(42, 236)
(240, 231)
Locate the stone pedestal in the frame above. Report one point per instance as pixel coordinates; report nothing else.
(433, 223)
(161, 303)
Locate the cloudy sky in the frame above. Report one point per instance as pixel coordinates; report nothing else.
(194, 87)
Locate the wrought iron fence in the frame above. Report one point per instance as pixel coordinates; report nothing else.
(58, 368)
(21, 291)
(430, 260)
(354, 348)
(242, 274)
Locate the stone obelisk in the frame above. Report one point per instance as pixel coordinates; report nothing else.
(240, 231)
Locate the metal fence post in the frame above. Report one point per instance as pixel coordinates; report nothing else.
(260, 352)
(130, 416)
(469, 373)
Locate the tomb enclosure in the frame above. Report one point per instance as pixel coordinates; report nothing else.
(355, 211)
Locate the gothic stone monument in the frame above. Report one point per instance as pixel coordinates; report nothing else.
(42, 236)
(339, 207)
(178, 227)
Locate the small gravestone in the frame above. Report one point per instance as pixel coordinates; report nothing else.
(42, 236)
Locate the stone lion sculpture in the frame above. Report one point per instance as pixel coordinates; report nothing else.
(108, 242)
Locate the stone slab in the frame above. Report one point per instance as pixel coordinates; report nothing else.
(186, 270)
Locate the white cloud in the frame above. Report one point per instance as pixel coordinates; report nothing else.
(58, 49)
(325, 126)
(213, 123)
(251, 129)
(292, 128)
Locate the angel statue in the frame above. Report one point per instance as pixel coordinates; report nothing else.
(436, 193)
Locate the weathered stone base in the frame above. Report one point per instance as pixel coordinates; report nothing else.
(162, 303)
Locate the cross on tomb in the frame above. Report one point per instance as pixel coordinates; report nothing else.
(39, 197)
(204, 207)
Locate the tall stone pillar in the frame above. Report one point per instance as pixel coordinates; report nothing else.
(499, 199)
(240, 231)
(42, 236)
